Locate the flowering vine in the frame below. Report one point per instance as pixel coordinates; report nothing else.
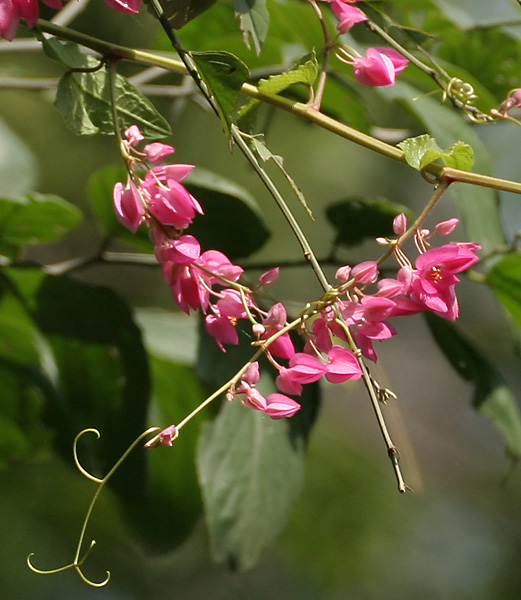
(338, 331)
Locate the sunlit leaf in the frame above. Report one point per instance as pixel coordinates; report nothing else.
(422, 150)
(224, 74)
(36, 219)
(254, 19)
(304, 72)
(85, 101)
(67, 53)
(492, 396)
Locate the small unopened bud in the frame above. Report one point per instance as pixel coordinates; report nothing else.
(513, 100)
(168, 435)
(400, 224)
(258, 329)
(252, 374)
(447, 227)
(269, 277)
(343, 274)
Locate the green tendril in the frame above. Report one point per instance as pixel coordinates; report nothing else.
(78, 561)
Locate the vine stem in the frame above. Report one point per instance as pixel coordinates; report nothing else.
(296, 108)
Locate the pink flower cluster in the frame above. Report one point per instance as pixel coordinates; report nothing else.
(429, 285)
(209, 281)
(11, 11)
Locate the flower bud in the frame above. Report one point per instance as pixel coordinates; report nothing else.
(400, 224)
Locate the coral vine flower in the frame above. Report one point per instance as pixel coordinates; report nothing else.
(378, 67)
(275, 321)
(303, 369)
(280, 406)
(434, 279)
(348, 16)
(128, 205)
(11, 11)
(343, 365)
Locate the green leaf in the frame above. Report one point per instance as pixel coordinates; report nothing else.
(356, 219)
(251, 471)
(36, 219)
(102, 371)
(22, 433)
(492, 396)
(66, 53)
(85, 101)
(423, 150)
(17, 341)
(304, 72)
(505, 279)
(250, 466)
(254, 19)
(174, 499)
(224, 74)
(181, 12)
(18, 167)
(228, 207)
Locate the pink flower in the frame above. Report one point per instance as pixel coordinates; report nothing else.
(252, 375)
(170, 203)
(222, 330)
(134, 135)
(303, 369)
(343, 365)
(231, 304)
(183, 251)
(168, 435)
(343, 274)
(365, 272)
(379, 67)
(269, 277)
(434, 279)
(513, 100)
(190, 284)
(252, 397)
(156, 152)
(128, 205)
(11, 11)
(447, 227)
(275, 321)
(280, 406)
(348, 16)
